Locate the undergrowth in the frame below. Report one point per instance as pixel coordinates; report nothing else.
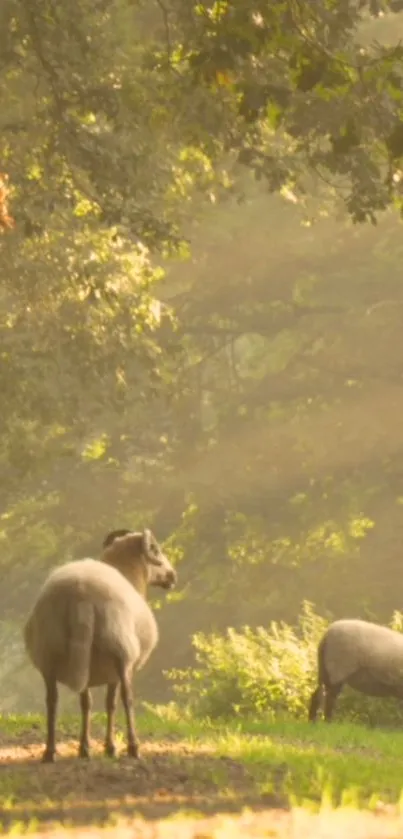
(269, 670)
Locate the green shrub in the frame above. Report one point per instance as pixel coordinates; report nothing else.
(271, 671)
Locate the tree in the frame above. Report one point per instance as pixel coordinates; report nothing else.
(288, 89)
(89, 159)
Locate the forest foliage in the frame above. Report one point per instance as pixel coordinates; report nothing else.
(195, 331)
(270, 672)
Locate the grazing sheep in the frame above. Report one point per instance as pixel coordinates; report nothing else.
(364, 655)
(91, 625)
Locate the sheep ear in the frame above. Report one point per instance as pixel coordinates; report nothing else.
(147, 540)
(114, 534)
(149, 548)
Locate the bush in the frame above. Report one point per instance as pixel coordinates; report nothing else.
(271, 671)
(252, 670)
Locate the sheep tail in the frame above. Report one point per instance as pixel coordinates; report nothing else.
(80, 639)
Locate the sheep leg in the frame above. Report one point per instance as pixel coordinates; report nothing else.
(315, 703)
(331, 694)
(127, 700)
(85, 705)
(51, 708)
(111, 702)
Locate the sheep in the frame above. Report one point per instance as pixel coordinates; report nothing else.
(364, 655)
(91, 626)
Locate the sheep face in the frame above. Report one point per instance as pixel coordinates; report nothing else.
(139, 557)
(160, 571)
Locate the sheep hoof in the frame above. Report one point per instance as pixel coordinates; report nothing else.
(133, 750)
(48, 756)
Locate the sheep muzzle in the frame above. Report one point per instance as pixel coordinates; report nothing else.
(165, 576)
(170, 580)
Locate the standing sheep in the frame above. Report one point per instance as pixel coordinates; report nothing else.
(364, 655)
(91, 625)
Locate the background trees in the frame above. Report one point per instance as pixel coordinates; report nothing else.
(183, 344)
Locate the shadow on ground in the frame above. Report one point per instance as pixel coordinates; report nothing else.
(173, 776)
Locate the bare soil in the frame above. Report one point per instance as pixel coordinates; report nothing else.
(177, 791)
(170, 777)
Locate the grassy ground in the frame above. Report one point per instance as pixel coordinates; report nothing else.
(275, 779)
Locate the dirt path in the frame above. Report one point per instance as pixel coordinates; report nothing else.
(172, 777)
(273, 824)
(183, 791)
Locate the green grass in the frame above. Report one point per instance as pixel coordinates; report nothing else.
(196, 766)
(341, 763)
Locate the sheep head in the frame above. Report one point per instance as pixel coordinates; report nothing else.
(161, 572)
(139, 557)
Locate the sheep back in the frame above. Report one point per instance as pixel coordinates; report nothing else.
(365, 655)
(86, 618)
